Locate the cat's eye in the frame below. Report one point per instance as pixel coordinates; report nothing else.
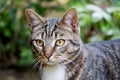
(60, 42)
(39, 42)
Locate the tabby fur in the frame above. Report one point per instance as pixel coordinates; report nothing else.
(73, 60)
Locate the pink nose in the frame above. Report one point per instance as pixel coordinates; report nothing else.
(47, 55)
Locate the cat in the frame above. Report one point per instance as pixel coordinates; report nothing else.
(62, 55)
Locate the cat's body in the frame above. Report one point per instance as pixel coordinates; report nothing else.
(102, 61)
(56, 44)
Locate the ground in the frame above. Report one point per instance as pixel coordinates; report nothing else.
(11, 74)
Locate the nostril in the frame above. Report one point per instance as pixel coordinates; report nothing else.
(47, 55)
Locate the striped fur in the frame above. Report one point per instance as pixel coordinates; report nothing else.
(76, 60)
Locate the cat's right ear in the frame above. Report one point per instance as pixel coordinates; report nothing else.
(34, 19)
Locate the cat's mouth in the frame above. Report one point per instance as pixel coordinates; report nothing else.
(48, 62)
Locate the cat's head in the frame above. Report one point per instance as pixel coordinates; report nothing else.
(54, 41)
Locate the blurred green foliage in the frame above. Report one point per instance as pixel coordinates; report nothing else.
(99, 20)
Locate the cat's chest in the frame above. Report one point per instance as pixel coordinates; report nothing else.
(53, 73)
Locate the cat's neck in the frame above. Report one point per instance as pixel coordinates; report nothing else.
(56, 72)
(75, 68)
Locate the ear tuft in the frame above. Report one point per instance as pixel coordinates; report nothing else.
(33, 18)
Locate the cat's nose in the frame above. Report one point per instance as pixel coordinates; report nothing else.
(47, 55)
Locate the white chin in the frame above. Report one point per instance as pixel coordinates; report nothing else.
(50, 63)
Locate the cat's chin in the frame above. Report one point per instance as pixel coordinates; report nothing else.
(49, 63)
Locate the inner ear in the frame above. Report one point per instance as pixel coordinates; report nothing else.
(70, 18)
(34, 19)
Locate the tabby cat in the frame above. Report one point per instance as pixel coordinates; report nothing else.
(57, 46)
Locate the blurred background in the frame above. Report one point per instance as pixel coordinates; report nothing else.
(99, 20)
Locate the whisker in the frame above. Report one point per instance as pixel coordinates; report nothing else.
(35, 65)
(31, 65)
(40, 72)
(30, 69)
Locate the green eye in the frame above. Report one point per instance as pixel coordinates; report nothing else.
(60, 42)
(39, 42)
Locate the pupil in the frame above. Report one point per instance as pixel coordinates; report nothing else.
(59, 42)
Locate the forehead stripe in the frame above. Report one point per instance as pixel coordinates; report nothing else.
(53, 30)
(50, 27)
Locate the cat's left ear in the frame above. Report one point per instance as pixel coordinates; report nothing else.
(70, 19)
(34, 19)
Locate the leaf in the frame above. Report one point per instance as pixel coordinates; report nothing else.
(26, 57)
